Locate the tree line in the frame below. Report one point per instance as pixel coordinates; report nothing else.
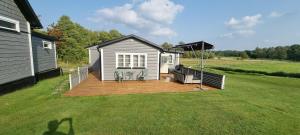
(280, 53)
(72, 39)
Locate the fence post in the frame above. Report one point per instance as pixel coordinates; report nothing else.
(79, 77)
(87, 71)
(70, 81)
(223, 83)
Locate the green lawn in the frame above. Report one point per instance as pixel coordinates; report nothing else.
(256, 65)
(250, 104)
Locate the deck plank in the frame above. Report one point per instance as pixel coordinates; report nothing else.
(92, 86)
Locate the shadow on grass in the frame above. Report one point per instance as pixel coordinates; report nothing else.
(54, 125)
(278, 74)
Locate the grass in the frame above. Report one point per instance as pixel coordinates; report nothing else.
(67, 66)
(250, 104)
(269, 66)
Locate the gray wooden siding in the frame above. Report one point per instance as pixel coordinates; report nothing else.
(14, 47)
(129, 46)
(94, 59)
(8, 8)
(14, 57)
(43, 59)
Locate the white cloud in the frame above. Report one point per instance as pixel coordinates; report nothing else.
(246, 33)
(238, 33)
(275, 14)
(246, 22)
(163, 32)
(152, 17)
(163, 11)
(242, 27)
(227, 35)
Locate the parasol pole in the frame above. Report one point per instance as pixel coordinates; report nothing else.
(202, 55)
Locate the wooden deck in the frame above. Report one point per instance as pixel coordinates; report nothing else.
(94, 87)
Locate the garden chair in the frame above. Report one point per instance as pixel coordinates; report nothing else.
(129, 75)
(143, 74)
(119, 75)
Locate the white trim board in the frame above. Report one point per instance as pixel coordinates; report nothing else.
(55, 54)
(102, 65)
(30, 49)
(90, 60)
(17, 23)
(49, 44)
(158, 63)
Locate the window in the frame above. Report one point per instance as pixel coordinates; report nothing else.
(47, 45)
(170, 59)
(135, 60)
(142, 60)
(127, 61)
(9, 24)
(120, 60)
(131, 60)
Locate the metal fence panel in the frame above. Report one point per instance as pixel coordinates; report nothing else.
(210, 79)
(214, 80)
(77, 76)
(83, 71)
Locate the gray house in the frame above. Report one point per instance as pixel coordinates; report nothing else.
(24, 55)
(131, 54)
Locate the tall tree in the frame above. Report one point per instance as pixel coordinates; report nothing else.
(115, 34)
(181, 42)
(167, 45)
(294, 52)
(244, 55)
(73, 38)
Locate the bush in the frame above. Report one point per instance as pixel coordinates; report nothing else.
(244, 55)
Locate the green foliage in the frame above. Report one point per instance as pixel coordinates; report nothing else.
(294, 53)
(181, 43)
(279, 53)
(244, 55)
(40, 31)
(228, 53)
(73, 38)
(197, 54)
(166, 45)
(114, 34)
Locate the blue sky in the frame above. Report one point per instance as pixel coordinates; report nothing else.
(229, 24)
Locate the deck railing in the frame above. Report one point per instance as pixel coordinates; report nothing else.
(77, 76)
(209, 79)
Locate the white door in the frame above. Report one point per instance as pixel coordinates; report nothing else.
(167, 60)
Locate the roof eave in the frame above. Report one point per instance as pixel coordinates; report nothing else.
(29, 14)
(207, 46)
(43, 36)
(128, 37)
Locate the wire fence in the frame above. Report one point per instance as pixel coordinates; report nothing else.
(77, 76)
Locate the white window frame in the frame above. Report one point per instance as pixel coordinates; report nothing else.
(49, 43)
(172, 59)
(17, 23)
(131, 60)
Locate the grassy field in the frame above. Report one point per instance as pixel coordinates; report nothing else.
(250, 104)
(257, 65)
